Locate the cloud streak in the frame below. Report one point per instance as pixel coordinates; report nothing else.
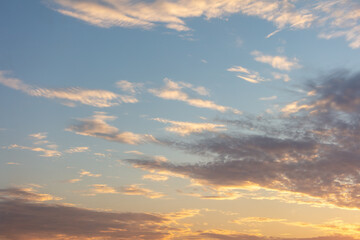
(278, 62)
(174, 91)
(69, 96)
(97, 126)
(186, 128)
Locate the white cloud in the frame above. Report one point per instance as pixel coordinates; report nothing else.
(282, 76)
(278, 62)
(247, 75)
(268, 98)
(129, 87)
(173, 91)
(38, 136)
(69, 96)
(186, 128)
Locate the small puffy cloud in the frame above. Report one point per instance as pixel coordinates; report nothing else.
(45, 152)
(87, 173)
(174, 91)
(247, 75)
(97, 126)
(129, 87)
(74, 180)
(281, 76)
(278, 62)
(135, 189)
(38, 136)
(77, 149)
(103, 188)
(186, 128)
(69, 96)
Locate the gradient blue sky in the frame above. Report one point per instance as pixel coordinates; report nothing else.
(189, 119)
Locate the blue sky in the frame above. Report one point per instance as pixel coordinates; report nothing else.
(200, 119)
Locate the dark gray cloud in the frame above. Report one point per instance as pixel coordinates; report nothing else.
(313, 151)
(22, 219)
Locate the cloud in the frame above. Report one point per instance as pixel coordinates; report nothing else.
(129, 87)
(268, 98)
(339, 91)
(69, 96)
(278, 62)
(312, 152)
(98, 127)
(77, 149)
(171, 13)
(25, 194)
(135, 189)
(282, 76)
(46, 152)
(332, 18)
(73, 180)
(39, 136)
(173, 91)
(87, 173)
(12, 163)
(247, 75)
(186, 128)
(155, 177)
(103, 188)
(22, 220)
(25, 218)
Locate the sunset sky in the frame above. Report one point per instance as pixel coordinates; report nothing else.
(180, 119)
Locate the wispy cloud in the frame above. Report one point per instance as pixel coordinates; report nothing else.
(136, 189)
(332, 18)
(77, 149)
(171, 13)
(278, 62)
(45, 152)
(268, 98)
(69, 96)
(97, 126)
(26, 194)
(155, 177)
(247, 75)
(174, 91)
(39, 136)
(87, 173)
(129, 87)
(186, 128)
(285, 77)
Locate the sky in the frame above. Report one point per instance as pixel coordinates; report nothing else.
(180, 119)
